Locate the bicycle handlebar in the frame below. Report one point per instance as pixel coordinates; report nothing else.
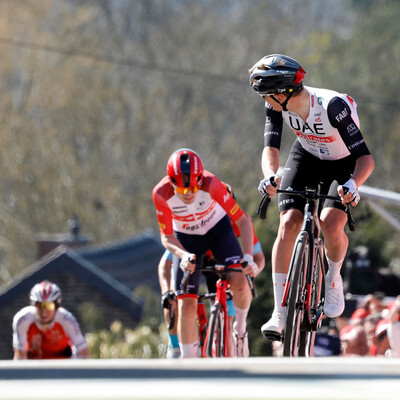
(311, 195)
(221, 268)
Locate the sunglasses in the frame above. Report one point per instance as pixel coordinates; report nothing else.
(193, 189)
(48, 306)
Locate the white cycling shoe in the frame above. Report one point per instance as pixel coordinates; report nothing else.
(173, 352)
(272, 329)
(242, 345)
(334, 298)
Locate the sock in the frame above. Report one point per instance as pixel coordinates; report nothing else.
(173, 340)
(279, 282)
(189, 350)
(334, 269)
(240, 325)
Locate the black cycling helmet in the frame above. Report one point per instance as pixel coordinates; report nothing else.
(276, 73)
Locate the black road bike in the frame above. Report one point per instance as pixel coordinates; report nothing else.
(304, 294)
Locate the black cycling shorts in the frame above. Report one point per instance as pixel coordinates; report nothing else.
(303, 170)
(222, 242)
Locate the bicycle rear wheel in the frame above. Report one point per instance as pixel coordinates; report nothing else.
(296, 298)
(215, 341)
(317, 297)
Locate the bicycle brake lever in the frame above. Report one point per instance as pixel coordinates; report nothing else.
(184, 281)
(351, 222)
(251, 281)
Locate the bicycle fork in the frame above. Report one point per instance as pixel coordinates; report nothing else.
(222, 286)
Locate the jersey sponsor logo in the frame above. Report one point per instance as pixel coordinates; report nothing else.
(316, 128)
(268, 133)
(324, 151)
(352, 146)
(328, 139)
(234, 210)
(352, 129)
(201, 224)
(343, 114)
(286, 201)
(162, 226)
(227, 197)
(267, 119)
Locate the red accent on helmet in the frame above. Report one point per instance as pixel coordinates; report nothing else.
(185, 168)
(300, 75)
(45, 292)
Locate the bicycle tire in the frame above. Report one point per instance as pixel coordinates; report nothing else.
(317, 296)
(215, 342)
(296, 300)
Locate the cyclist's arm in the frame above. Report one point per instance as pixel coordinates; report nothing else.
(20, 354)
(246, 233)
(84, 353)
(259, 259)
(171, 243)
(363, 169)
(270, 160)
(164, 272)
(73, 330)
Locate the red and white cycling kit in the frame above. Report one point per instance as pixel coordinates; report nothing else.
(200, 226)
(212, 203)
(327, 146)
(55, 342)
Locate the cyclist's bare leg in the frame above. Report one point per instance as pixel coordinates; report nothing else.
(240, 290)
(241, 300)
(187, 332)
(333, 222)
(289, 228)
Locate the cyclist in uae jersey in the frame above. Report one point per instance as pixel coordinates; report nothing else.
(166, 279)
(192, 209)
(45, 330)
(329, 148)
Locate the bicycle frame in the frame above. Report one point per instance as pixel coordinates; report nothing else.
(221, 300)
(311, 225)
(307, 270)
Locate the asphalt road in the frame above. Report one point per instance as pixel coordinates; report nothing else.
(330, 378)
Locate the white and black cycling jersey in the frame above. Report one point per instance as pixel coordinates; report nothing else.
(331, 131)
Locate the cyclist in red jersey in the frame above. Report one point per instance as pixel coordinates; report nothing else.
(46, 330)
(168, 297)
(329, 148)
(192, 210)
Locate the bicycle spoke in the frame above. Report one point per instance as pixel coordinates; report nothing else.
(296, 298)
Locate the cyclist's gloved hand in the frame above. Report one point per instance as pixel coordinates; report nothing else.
(351, 187)
(188, 262)
(166, 297)
(252, 267)
(271, 179)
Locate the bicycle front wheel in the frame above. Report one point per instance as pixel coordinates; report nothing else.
(317, 297)
(296, 298)
(215, 341)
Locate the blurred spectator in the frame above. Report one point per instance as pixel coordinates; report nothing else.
(370, 325)
(382, 340)
(354, 341)
(327, 343)
(394, 328)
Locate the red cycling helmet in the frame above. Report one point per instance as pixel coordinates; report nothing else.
(185, 169)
